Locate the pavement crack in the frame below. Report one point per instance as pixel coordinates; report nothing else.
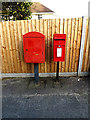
(42, 95)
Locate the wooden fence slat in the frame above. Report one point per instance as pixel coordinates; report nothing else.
(1, 33)
(11, 42)
(57, 26)
(43, 25)
(3, 65)
(13, 46)
(20, 47)
(48, 42)
(75, 46)
(78, 44)
(65, 32)
(53, 32)
(51, 46)
(72, 41)
(33, 24)
(63, 63)
(17, 48)
(45, 33)
(68, 44)
(29, 25)
(77, 41)
(8, 67)
(10, 45)
(4, 48)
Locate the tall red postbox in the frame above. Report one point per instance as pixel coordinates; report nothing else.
(34, 47)
(59, 41)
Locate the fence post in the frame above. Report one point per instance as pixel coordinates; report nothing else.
(82, 45)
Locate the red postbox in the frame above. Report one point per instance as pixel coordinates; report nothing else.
(59, 41)
(34, 47)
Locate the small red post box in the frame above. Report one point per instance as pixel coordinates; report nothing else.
(59, 41)
(34, 47)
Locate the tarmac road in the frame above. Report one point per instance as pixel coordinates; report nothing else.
(65, 99)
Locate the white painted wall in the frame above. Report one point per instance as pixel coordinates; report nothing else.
(45, 16)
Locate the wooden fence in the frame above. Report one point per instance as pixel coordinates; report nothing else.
(12, 44)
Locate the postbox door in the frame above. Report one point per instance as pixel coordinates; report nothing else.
(59, 52)
(34, 50)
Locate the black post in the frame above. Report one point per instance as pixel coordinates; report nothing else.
(36, 74)
(57, 74)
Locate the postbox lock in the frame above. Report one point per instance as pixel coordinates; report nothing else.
(59, 46)
(26, 49)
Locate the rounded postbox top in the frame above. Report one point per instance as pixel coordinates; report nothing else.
(33, 34)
